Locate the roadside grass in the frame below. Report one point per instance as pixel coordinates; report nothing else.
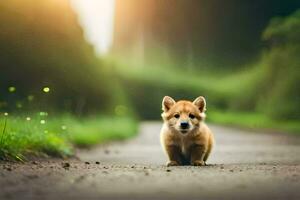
(58, 135)
(252, 121)
(93, 131)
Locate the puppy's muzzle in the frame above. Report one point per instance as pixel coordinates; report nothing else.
(184, 125)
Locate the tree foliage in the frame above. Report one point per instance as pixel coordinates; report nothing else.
(42, 45)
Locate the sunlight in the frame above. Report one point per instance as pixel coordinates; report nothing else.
(97, 19)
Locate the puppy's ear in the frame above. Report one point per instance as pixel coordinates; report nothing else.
(167, 103)
(200, 103)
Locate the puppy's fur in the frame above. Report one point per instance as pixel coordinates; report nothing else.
(190, 144)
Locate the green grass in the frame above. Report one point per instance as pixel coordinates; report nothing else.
(253, 121)
(92, 131)
(58, 135)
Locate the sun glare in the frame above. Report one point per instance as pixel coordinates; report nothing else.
(97, 19)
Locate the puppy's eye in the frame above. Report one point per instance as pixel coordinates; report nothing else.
(176, 116)
(191, 116)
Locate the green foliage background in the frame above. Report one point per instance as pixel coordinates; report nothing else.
(42, 44)
(267, 86)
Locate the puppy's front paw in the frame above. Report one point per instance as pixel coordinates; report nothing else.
(172, 163)
(198, 163)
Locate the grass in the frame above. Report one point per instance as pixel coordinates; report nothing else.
(253, 121)
(58, 135)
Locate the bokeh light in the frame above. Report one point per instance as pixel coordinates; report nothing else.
(120, 110)
(30, 97)
(46, 89)
(11, 89)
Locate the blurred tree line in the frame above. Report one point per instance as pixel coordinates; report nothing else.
(214, 37)
(225, 34)
(280, 91)
(42, 45)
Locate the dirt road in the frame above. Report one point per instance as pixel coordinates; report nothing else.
(243, 165)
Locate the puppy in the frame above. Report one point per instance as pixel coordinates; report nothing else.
(185, 137)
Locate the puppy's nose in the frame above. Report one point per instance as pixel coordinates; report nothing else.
(184, 125)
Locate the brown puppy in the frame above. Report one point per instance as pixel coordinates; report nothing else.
(185, 137)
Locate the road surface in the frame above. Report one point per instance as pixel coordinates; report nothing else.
(243, 165)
